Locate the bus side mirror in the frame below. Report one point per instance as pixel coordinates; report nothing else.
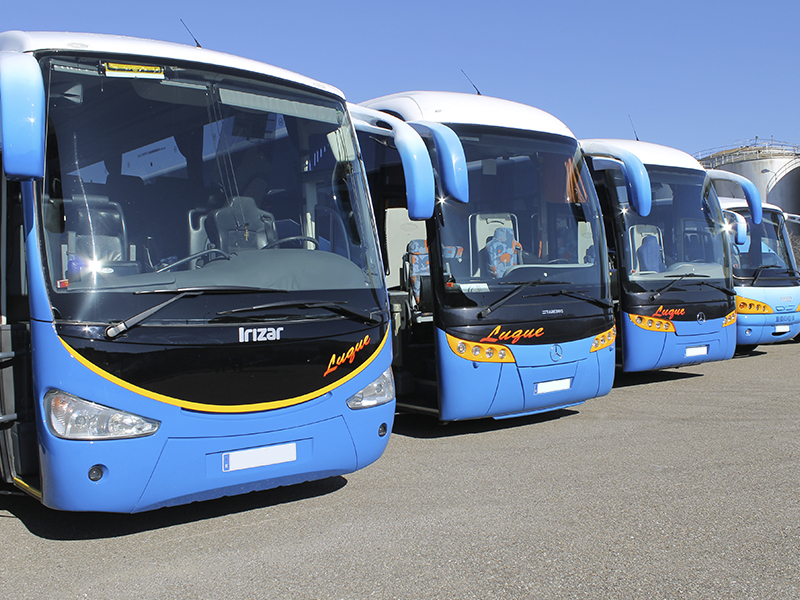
(417, 168)
(22, 121)
(420, 186)
(739, 230)
(606, 155)
(452, 162)
(751, 193)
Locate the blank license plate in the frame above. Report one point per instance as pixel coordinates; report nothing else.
(697, 351)
(557, 385)
(259, 457)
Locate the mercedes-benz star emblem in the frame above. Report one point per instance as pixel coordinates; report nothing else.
(556, 352)
(701, 318)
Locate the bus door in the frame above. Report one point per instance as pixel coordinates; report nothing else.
(22, 160)
(18, 443)
(397, 158)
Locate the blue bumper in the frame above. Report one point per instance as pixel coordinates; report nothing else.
(691, 343)
(536, 382)
(197, 456)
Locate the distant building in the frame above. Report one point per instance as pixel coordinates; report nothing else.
(774, 167)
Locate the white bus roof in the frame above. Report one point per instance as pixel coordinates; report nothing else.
(655, 154)
(740, 203)
(34, 41)
(468, 109)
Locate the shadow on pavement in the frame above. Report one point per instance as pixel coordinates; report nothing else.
(57, 525)
(622, 379)
(427, 426)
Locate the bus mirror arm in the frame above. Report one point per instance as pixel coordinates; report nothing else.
(418, 172)
(416, 162)
(22, 106)
(751, 192)
(637, 181)
(452, 162)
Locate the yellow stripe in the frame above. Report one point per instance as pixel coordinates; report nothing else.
(26, 488)
(242, 408)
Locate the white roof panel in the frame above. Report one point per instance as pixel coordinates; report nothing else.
(468, 109)
(35, 41)
(655, 154)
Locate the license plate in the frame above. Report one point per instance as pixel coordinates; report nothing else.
(557, 385)
(259, 457)
(782, 328)
(697, 351)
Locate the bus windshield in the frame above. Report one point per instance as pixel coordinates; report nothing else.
(751, 259)
(168, 177)
(683, 236)
(532, 219)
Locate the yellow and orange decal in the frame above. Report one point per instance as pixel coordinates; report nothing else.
(604, 340)
(498, 335)
(730, 319)
(751, 307)
(479, 351)
(652, 323)
(669, 312)
(239, 408)
(347, 357)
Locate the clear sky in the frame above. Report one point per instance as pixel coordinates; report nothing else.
(689, 74)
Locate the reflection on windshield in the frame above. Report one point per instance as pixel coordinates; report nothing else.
(193, 180)
(683, 234)
(532, 217)
(767, 247)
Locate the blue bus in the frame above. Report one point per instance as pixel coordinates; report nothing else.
(193, 301)
(765, 273)
(500, 298)
(670, 256)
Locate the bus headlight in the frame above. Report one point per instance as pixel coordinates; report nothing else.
(72, 418)
(376, 393)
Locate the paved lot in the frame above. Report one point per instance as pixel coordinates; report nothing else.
(679, 484)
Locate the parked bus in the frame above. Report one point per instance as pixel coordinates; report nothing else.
(765, 273)
(193, 302)
(501, 304)
(670, 256)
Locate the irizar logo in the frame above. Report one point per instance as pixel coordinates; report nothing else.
(259, 334)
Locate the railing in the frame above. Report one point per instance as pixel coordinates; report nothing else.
(746, 150)
(792, 218)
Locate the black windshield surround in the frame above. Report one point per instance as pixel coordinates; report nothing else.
(528, 247)
(197, 179)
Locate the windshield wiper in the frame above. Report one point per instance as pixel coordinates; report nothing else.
(658, 293)
(113, 331)
(715, 286)
(336, 307)
(760, 270)
(578, 296)
(211, 289)
(521, 285)
(116, 329)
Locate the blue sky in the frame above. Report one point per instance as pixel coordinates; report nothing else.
(692, 75)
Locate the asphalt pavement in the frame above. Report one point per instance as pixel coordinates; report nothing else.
(678, 484)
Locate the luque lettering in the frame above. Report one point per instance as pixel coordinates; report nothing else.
(669, 312)
(337, 361)
(498, 335)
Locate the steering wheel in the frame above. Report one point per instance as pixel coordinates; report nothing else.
(301, 238)
(191, 257)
